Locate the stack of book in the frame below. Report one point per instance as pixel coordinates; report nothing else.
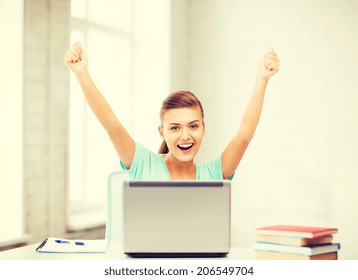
(288, 242)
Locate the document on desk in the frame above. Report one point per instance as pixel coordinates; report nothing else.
(60, 245)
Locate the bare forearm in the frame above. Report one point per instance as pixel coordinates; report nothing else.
(236, 148)
(253, 111)
(97, 102)
(76, 60)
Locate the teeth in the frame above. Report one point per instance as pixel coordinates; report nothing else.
(185, 146)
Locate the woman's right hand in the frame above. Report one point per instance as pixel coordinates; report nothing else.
(76, 59)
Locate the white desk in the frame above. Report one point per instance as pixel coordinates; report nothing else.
(113, 253)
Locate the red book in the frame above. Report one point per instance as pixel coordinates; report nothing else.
(295, 231)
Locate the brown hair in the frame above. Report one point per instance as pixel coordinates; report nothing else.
(175, 100)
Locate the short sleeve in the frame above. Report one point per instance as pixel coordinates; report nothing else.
(211, 170)
(146, 165)
(139, 154)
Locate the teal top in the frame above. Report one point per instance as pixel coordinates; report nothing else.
(147, 165)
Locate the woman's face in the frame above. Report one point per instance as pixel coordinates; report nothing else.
(183, 130)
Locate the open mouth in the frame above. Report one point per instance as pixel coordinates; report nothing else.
(185, 147)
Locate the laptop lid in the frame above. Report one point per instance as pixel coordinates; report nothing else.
(176, 217)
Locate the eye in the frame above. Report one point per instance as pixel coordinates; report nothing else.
(174, 128)
(194, 126)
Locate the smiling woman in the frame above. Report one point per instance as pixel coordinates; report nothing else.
(176, 100)
(182, 128)
(182, 131)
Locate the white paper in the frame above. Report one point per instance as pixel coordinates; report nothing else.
(60, 245)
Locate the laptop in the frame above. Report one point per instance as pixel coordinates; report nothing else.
(176, 218)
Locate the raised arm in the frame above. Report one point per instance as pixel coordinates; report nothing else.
(76, 60)
(236, 148)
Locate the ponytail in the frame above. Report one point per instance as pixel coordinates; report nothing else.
(163, 148)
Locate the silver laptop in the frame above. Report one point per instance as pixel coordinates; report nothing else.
(176, 218)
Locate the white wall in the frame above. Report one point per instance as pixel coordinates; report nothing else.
(11, 152)
(300, 167)
(150, 69)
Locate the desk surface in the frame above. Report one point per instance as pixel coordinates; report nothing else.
(113, 253)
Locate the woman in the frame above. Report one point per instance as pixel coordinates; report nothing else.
(182, 128)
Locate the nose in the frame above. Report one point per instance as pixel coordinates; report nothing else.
(185, 135)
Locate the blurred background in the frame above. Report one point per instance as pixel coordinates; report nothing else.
(301, 167)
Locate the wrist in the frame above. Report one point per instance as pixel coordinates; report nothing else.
(82, 74)
(262, 79)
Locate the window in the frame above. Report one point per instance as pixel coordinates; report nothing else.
(127, 43)
(11, 197)
(105, 34)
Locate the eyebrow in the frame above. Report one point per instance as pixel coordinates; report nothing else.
(188, 123)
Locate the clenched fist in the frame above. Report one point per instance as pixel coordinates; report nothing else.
(76, 59)
(269, 65)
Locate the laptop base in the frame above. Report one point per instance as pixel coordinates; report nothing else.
(177, 255)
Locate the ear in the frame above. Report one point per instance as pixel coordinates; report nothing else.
(160, 129)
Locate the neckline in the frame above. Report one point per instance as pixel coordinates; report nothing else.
(167, 170)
